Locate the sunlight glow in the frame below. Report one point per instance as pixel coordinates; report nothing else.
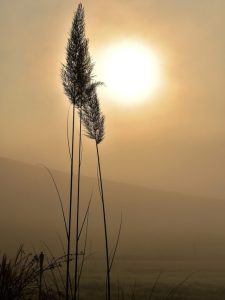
(131, 72)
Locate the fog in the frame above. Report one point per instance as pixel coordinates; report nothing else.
(174, 141)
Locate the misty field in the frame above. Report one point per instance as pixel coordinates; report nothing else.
(140, 216)
(186, 257)
(134, 279)
(154, 279)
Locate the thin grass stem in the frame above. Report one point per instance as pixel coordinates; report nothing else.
(105, 227)
(78, 209)
(70, 209)
(117, 243)
(59, 197)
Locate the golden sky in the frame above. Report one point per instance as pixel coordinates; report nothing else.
(175, 140)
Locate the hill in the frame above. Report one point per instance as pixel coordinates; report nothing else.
(156, 224)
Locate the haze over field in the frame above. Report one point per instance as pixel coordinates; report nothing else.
(156, 224)
(173, 141)
(120, 103)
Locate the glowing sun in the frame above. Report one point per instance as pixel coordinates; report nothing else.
(131, 71)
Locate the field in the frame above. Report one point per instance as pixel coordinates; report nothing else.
(178, 240)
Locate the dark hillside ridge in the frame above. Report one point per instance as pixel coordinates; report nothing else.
(156, 224)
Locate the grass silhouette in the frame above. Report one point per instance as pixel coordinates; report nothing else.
(22, 277)
(42, 276)
(94, 123)
(76, 77)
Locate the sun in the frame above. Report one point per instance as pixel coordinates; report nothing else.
(131, 71)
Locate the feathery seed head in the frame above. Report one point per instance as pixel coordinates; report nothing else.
(92, 116)
(76, 73)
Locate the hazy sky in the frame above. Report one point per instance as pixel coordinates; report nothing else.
(175, 140)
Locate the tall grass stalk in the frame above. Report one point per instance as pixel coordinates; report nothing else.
(94, 123)
(105, 225)
(70, 209)
(77, 214)
(83, 256)
(76, 77)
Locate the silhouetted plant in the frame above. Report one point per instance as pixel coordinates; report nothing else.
(76, 77)
(41, 265)
(85, 220)
(59, 197)
(20, 277)
(94, 123)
